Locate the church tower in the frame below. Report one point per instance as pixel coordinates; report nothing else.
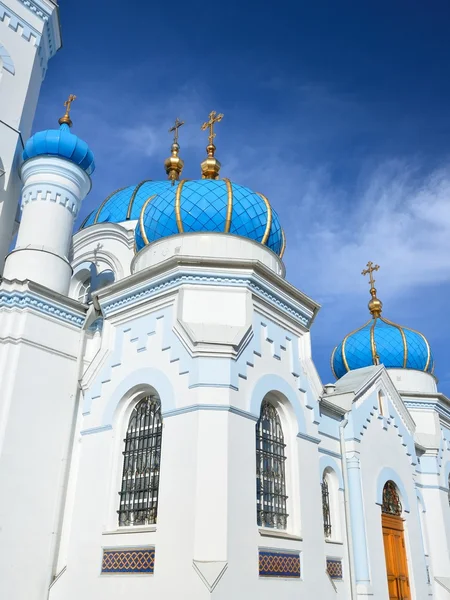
(29, 36)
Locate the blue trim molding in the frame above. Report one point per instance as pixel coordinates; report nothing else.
(334, 568)
(23, 300)
(279, 564)
(130, 561)
(171, 281)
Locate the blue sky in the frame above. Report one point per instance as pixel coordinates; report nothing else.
(338, 112)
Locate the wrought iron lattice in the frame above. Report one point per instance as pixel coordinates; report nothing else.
(391, 501)
(326, 508)
(141, 465)
(271, 498)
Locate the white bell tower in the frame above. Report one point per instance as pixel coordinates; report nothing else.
(29, 36)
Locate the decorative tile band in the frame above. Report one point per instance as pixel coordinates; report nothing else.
(137, 560)
(39, 304)
(279, 564)
(334, 568)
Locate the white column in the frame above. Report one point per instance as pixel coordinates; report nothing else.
(53, 191)
(362, 573)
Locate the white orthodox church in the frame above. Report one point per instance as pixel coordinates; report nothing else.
(163, 430)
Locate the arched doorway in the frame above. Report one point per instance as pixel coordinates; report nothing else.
(394, 544)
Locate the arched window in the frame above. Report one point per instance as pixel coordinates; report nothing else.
(84, 291)
(141, 465)
(271, 498)
(391, 500)
(326, 510)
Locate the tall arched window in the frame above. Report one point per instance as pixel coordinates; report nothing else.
(141, 464)
(271, 498)
(391, 500)
(326, 510)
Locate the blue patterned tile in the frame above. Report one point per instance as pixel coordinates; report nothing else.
(279, 564)
(334, 568)
(139, 560)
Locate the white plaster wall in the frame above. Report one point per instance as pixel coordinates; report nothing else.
(409, 380)
(213, 245)
(382, 447)
(207, 506)
(38, 373)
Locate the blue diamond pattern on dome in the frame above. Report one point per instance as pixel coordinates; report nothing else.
(275, 240)
(203, 207)
(389, 344)
(418, 352)
(115, 208)
(337, 362)
(390, 348)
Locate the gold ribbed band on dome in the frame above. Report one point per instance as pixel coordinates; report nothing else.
(427, 345)
(97, 214)
(269, 219)
(133, 197)
(229, 205)
(344, 358)
(373, 345)
(283, 243)
(141, 219)
(402, 333)
(178, 206)
(332, 361)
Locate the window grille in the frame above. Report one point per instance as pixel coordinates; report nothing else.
(271, 498)
(141, 465)
(391, 501)
(326, 508)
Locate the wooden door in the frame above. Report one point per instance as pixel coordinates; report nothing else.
(395, 552)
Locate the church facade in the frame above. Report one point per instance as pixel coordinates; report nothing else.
(163, 429)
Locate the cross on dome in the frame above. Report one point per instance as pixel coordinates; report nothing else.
(66, 120)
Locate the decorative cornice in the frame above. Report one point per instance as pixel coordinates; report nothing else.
(174, 280)
(27, 300)
(71, 203)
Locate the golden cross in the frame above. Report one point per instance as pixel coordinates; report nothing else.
(175, 129)
(68, 103)
(213, 118)
(369, 271)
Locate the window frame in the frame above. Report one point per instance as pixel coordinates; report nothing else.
(278, 442)
(149, 445)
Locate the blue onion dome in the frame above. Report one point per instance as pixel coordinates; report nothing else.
(209, 205)
(380, 341)
(125, 204)
(61, 142)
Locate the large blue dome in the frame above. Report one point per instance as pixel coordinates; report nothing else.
(380, 341)
(163, 209)
(60, 142)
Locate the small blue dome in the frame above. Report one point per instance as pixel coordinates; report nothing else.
(163, 209)
(394, 346)
(60, 142)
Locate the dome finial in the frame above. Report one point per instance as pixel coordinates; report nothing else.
(375, 305)
(66, 120)
(211, 166)
(174, 165)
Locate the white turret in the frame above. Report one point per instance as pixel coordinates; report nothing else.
(56, 179)
(29, 37)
